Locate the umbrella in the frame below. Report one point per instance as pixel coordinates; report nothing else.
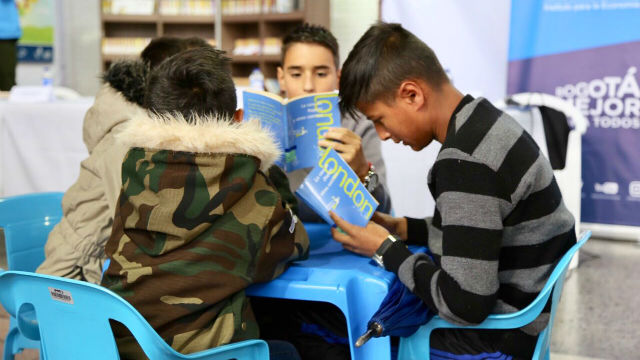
(401, 313)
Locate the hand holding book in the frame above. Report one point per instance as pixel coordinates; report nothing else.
(333, 186)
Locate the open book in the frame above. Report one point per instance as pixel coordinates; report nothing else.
(297, 123)
(333, 185)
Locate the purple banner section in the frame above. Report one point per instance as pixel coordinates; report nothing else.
(603, 83)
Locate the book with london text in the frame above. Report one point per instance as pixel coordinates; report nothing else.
(333, 185)
(297, 123)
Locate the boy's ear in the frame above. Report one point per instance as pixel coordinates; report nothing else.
(237, 116)
(411, 93)
(280, 74)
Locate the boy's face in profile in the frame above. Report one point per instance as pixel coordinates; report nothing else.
(399, 122)
(307, 69)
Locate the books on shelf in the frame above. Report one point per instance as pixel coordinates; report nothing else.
(187, 7)
(333, 186)
(241, 7)
(297, 124)
(246, 46)
(116, 46)
(128, 7)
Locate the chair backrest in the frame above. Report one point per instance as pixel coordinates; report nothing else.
(556, 281)
(416, 345)
(73, 321)
(26, 221)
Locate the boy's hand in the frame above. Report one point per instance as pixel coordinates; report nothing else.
(349, 146)
(361, 240)
(395, 225)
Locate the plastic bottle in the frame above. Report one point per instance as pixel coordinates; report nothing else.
(47, 82)
(256, 79)
(47, 77)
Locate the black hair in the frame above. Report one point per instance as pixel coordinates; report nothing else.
(384, 57)
(193, 82)
(161, 48)
(128, 77)
(311, 34)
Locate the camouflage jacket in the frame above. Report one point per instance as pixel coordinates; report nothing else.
(200, 217)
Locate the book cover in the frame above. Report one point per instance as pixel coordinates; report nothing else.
(297, 124)
(333, 185)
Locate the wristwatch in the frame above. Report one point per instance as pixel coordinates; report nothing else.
(386, 244)
(371, 179)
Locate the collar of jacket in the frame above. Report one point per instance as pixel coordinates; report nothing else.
(203, 135)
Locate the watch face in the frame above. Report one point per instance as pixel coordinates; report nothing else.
(373, 182)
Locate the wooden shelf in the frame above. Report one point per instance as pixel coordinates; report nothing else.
(242, 18)
(114, 57)
(244, 59)
(187, 19)
(237, 26)
(110, 18)
(255, 58)
(275, 17)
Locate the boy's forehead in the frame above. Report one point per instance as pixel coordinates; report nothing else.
(308, 55)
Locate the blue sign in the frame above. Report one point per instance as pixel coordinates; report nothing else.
(588, 53)
(35, 53)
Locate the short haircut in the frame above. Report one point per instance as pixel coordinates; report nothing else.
(384, 57)
(161, 48)
(195, 82)
(311, 34)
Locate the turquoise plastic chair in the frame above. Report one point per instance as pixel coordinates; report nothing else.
(26, 221)
(73, 321)
(416, 346)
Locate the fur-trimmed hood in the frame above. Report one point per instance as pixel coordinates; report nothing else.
(119, 98)
(204, 135)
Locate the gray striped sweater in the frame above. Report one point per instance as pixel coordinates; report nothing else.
(499, 226)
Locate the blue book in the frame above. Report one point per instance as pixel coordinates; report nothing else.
(333, 185)
(297, 124)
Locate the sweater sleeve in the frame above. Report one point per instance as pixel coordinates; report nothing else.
(461, 283)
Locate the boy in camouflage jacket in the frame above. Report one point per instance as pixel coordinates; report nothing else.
(202, 213)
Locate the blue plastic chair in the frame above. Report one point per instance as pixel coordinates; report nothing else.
(416, 346)
(26, 221)
(73, 321)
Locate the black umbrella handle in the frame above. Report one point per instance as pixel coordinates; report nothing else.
(374, 330)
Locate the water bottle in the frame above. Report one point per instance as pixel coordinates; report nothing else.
(47, 77)
(47, 82)
(256, 79)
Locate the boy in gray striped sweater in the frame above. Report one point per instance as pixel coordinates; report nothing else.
(499, 225)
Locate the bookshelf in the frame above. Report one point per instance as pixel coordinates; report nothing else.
(248, 30)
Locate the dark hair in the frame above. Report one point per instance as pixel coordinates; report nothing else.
(384, 57)
(160, 49)
(311, 34)
(194, 82)
(129, 78)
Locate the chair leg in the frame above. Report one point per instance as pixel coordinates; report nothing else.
(9, 343)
